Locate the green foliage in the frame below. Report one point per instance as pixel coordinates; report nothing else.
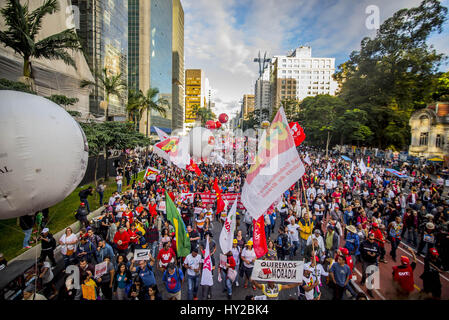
(255, 118)
(112, 135)
(442, 88)
(63, 100)
(16, 86)
(291, 109)
(394, 73)
(74, 113)
(23, 27)
(203, 114)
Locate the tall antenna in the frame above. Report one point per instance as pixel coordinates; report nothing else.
(262, 67)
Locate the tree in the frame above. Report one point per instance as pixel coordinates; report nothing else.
(351, 126)
(203, 114)
(254, 119)
(23, 27)
(319, 115)
(112, 84)
(441, 92)
(150, 101)
(134, 106)
(291, 109)
(104, 137)
(394, 73)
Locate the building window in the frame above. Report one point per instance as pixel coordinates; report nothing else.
(439, 142)
(424, 139)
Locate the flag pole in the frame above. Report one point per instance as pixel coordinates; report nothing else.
(305, 195)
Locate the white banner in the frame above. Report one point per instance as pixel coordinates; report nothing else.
(161, 206)
(278, 271)
(142, 254)
(227, 232)
(277, 167)
(206, 276)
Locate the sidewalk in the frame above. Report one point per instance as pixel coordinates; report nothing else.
(23, 262)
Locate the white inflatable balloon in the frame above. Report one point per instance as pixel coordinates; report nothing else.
(43, 154)
(202, 143)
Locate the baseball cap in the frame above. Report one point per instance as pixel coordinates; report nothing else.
(45, 230)
(249, 243)
(344, 251)
(434, 252)
(405, 260)
(375, 225)
(82, 204)
(234, 241)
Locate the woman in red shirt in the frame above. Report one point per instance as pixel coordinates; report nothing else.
(165, 256)
(228, 274)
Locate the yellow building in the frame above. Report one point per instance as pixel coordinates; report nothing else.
(196, 85)
(248, 104)
(430, 131)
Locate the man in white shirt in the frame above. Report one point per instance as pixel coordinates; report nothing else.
(294, 238)
(193, 263)
(120, 208)
(311, 191)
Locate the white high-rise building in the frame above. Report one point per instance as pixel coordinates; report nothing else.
(299, 75)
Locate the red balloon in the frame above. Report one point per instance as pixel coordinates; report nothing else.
(210, 124)
(297, 132)
(223, 118)
(218, 124)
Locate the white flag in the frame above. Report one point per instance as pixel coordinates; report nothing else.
(307, 160)
(227, 232)
(161, 134)
(206, 277)
(362, 167)
(276, 168)
(180, 155)
(328, 167)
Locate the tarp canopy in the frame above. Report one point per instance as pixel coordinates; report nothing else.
(346, 158)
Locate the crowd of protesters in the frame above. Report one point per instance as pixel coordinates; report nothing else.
(336, 217)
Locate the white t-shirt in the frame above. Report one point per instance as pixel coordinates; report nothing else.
(49, 274)
(65, 240)
(249, 255)
(293, 232)
(193, 263)
(119, 179)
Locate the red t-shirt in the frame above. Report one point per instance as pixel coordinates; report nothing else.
(128, 215)
(166, 256)
(404, 277)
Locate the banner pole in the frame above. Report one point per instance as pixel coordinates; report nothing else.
(305, 195)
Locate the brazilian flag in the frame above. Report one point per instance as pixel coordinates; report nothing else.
(182, 237)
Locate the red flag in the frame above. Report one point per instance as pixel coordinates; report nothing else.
(259, 239)
(193, 167)
(220, 203)
(297, 133)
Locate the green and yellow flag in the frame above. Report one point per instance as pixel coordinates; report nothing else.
(182, 237)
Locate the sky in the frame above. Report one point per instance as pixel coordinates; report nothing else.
(223, 37)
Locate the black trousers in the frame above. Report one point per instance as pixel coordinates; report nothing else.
(106, 290)
(49, 254)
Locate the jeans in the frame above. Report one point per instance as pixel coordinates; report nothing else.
(86, 203)
(193, 284)
(153, 247)
(68, 260)
(303, 244)
(227, 283)
(412, 236)
(27, 237)
(119, 187)
(294, 247)
(394, 245)
(121, 294)
(101, 198)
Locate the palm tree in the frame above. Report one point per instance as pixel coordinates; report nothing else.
(112, 84)
(23, 27)
(203, 114)
(134, 106)
(151, 102)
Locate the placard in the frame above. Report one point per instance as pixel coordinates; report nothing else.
(278, 271)
(161, 206)
(100, 269)
(223, 261)
(142, 254)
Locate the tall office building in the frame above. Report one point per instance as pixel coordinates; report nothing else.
(103, 32)
(299, 75)
(197, 93)
(262, 91)
(178, 65)
(156, 48)
(248, 105)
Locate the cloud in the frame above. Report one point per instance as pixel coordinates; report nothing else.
(222, 37)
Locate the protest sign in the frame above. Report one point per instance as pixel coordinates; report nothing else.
(100, 269)
(223, 260)
(161, 206)
(278, 271)
(142, 254)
